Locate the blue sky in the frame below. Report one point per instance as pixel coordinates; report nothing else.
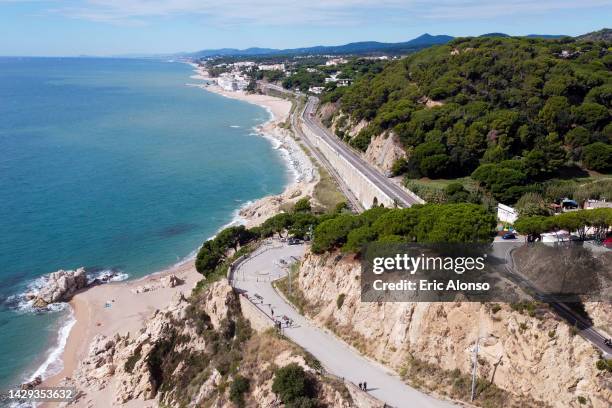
(112, 27)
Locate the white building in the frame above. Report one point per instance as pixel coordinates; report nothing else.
(271, 67)
(335, 61)
(316, 89)
(555, 237)
(505, 213)
(232, 82)
(592, 204)
(242, 64)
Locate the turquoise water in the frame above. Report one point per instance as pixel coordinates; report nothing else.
(112, 164)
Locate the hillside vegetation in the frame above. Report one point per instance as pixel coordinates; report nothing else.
(508, 111)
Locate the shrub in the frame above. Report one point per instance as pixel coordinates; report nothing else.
(340, 300)
(133, 359)
(239, 387)
(603, 364)
(302, 205)
(495, 308)
(291, 383)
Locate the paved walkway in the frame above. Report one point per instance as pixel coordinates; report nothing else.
(255, 276)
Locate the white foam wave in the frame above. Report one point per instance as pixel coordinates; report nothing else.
(235, 126)
(53, 364)
(107, 275)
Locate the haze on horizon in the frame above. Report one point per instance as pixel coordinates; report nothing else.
(116, 27)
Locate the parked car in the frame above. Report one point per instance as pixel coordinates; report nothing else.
(607, 242)
(509, 235)
(294, 241)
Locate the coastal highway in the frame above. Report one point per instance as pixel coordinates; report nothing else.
(387, 186)
(400, 196)
(584, 327)
(254, 276)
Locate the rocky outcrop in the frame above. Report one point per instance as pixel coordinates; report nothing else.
(187, 355)
(536, 355)
(169, 281)
(59, 286)
(384, 150)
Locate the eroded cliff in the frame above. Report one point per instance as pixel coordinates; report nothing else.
(527, 357)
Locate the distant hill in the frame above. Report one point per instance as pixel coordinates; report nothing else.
(601, 35)
(374, 47)
(364, 47)
(494, 35)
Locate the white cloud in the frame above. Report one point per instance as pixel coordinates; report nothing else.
(319, 12)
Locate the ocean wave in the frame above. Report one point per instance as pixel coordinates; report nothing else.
(235, 126)
(53, 364)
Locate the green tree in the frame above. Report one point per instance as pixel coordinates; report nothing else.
(302, 205)
(291, 383)
(333, 233)
(556, 114)
(592, 115)
(597, 156)
(208, 258)
(530, 225)
(577, 137)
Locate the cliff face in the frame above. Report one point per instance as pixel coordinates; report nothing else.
(532, 356)
(188, 355)
(383, 149)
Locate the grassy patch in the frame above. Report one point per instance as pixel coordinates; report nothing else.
(326, 191)
(458, 385)
(295, 295)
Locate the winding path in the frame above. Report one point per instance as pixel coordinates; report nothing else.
(255, 276)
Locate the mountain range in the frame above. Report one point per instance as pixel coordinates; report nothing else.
(363, 47)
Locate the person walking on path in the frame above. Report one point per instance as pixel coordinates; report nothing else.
(360, 386)
(365, 386)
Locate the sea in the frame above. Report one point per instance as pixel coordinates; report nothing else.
(116, 165)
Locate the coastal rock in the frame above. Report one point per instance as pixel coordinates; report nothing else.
(171, 281)
(217, 301)
(207, 389)
(32, 384)
(60, 286)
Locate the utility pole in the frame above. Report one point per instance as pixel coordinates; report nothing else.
(474, 368)
(290, 271)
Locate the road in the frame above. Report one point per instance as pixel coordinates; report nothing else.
(585, 328)
(387, 186)
(255, 276)
(308, 118)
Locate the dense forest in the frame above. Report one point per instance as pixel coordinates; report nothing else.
(509, 112)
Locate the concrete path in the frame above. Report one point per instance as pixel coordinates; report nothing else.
(255, 276)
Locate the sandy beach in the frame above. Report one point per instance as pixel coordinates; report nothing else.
(123, 307)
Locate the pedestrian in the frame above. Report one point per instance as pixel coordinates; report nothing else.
(360, 386)
(365, 386)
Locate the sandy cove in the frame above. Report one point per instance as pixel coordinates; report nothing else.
(129, 310)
